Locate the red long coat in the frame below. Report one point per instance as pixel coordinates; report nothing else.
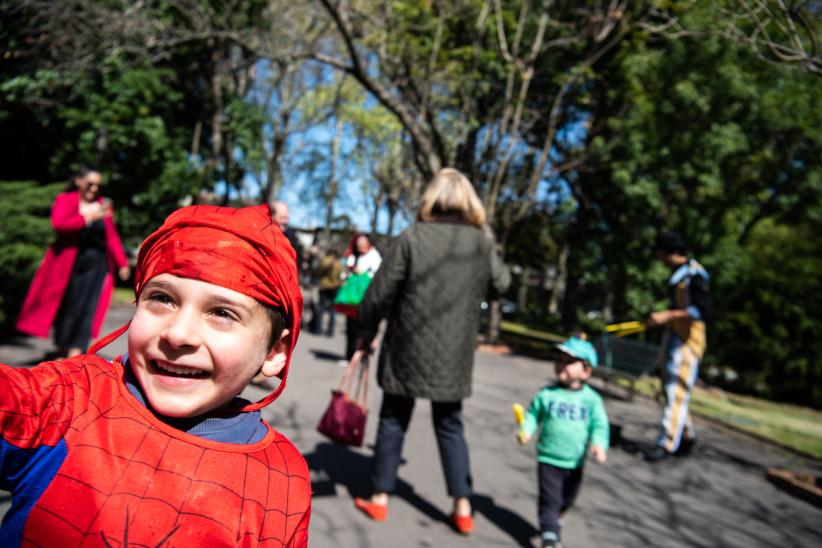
(49, 285)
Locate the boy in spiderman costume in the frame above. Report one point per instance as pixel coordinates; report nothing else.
(156, 448)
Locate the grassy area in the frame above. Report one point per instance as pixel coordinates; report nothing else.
(792, 426)
(799, 428)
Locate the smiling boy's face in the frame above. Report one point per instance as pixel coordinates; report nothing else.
(194, 345)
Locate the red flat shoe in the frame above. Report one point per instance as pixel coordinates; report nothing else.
(377, 512)
(463, 524)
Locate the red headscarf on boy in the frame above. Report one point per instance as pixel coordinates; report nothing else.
(240, 249)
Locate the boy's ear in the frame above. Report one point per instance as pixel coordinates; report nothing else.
(275, 360)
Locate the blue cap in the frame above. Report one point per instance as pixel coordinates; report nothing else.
(580, 349)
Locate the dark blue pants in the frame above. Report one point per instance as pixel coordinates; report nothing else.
(395, 414)
(325, 306)
(558, 487)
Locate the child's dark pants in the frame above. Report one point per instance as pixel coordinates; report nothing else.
(558, 487)
(395, 415)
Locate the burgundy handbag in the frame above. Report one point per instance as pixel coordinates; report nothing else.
(344, 420)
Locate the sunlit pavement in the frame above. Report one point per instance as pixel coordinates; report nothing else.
(717, 497)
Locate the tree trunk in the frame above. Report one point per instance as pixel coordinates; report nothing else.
(331, 192)
(558, 291)
(619, 302)
(522, 290)
(570, 299)
(274, 176)
(494, 313)
(274, 168)
(392, 212)
(376, 212)
(100, 145)
(494, 322)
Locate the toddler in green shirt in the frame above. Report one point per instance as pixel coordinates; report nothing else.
(573, 419)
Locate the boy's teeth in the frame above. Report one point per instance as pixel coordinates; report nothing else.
(177, 369)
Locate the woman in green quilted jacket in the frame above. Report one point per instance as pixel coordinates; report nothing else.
(429, 287)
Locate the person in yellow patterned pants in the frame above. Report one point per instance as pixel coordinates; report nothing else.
(685, 323)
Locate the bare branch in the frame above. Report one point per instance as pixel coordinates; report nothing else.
(429, 162)
(774, 31)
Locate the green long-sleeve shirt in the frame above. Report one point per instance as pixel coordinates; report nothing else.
(571, 421)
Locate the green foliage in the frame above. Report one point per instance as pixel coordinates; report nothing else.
(143, 160)
(695, 134)
(25, 232)
(769, 303)
(121, 121)
(699, 136)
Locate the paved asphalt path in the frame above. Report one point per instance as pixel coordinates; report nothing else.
(717, 497)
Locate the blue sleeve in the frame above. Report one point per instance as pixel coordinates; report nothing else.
(26, 473)
(35, 407)
(700, 301)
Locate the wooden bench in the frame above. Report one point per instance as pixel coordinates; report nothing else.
(621, 358)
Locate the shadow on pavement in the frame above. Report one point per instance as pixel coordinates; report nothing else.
(333, 465)
(338, 465)
(13, 337)
(519, 529)
(718, 455)
(619, 441)
(323, 355)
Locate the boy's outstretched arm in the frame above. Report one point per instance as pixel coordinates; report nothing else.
(36, 407)
(600, 431)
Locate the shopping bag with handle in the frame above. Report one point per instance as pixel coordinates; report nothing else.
(351, 293)
(344, 419)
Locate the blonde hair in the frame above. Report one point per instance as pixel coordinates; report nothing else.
(451, 193)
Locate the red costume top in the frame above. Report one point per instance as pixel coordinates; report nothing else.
(88, 465)
(52, 277)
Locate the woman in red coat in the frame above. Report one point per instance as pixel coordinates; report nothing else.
(72, 288)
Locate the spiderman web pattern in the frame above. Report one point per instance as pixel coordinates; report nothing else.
(127, 482)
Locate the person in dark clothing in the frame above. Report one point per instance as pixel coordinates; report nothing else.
(685, 321)
(429, 287)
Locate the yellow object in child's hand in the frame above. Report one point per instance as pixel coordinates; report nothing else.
(519, 413)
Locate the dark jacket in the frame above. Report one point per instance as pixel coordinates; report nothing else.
(430, 285)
